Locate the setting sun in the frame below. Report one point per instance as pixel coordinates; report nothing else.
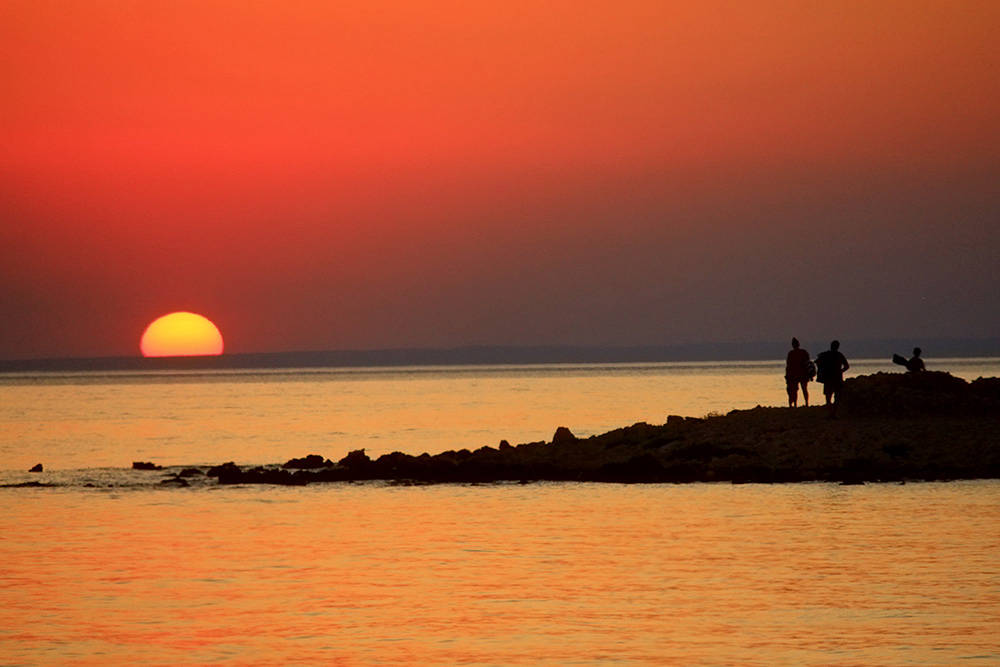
(181, 334)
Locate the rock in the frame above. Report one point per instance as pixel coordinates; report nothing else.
(216, 470)
(355, 460)
(398, 465)
(227, 473)
(145, 465)
(563, 436)
(190, 472)
(175, 481)
(36, 468)
(897, 449)
(909, 395)
(310, 462)
(986, 387)
(893, 427)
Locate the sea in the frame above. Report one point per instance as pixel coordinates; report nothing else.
(102, 564)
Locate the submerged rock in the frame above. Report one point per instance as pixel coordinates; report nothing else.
(262, 475)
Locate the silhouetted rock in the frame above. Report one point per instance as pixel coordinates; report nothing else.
(175, 481)
(215, 471)
(190, 472)
(310, 462)
(892, 427)
(913, 395)
(641, 468)
(563, 436)
(227, 473)
(356, 461)
(37, 468)
(145, 465)
(985, 389)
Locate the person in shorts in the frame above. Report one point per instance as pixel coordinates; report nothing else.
(797, 374)
(830, 367)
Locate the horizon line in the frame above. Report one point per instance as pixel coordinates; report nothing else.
(502, 355)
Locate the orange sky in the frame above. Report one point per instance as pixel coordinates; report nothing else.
(317, 175)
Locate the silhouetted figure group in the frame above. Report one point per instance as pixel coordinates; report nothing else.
(828, 369)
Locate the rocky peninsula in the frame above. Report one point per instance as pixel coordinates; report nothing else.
(890, 427)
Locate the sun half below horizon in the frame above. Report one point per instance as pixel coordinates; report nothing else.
(181, 334)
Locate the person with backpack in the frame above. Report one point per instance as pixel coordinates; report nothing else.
(799, 370)
(830, 366)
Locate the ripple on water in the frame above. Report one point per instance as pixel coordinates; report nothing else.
(505, 574)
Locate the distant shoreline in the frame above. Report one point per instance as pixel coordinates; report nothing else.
(503, 355)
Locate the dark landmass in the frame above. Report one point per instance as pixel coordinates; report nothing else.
(890, 427)
(495, 355)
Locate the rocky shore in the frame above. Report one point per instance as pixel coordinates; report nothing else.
(889, 427)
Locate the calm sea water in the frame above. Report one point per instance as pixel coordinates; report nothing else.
(127, 572)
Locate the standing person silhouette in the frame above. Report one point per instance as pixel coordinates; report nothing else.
(797, 373)
(830, 366)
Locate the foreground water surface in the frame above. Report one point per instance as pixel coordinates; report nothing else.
(503, 575)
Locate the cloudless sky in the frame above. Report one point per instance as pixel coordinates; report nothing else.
(366, 174)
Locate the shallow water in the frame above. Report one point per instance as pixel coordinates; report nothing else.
(503, 574)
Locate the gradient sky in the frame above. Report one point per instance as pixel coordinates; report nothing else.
(366, 174)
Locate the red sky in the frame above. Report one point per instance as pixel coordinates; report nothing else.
(316, 175)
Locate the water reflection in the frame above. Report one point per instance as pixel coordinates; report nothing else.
(507, 574)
